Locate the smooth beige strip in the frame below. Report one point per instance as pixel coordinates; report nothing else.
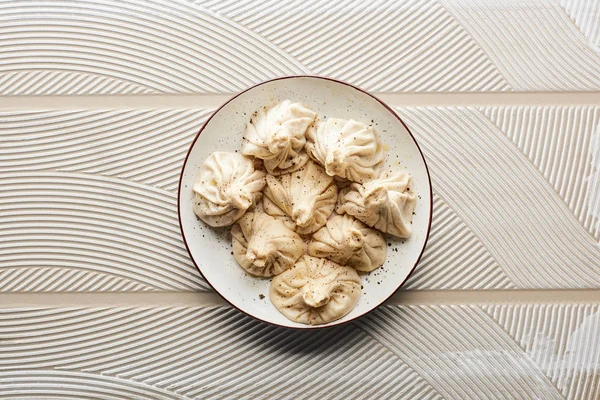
(215, 100)
(197, 299)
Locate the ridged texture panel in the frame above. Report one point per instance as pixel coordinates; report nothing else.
(145, 146)
(461, 351)
(78, 232)
(88, 203)
(586, 14)
(593, 182)
(504, 200)
(76, 274)
(168, 46)
(148, 147)
(197, 354)
(561, 339)
(65, 83)
(455, 258)
(559, 141)
(129, 46)
(50, 385)
(397, 352)
(533, 43)
(382, 46)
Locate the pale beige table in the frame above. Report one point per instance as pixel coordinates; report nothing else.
(100, 100)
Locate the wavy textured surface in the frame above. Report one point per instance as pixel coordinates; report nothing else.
(593, 182)
(129, 46)
(586, 14)
(478, 360)
(558, 140)
(65, 83)
(49, 384)
(504, 200)
(550, 54)
(200, 354)
(455, 258)
(78, 232)
(561, 339)
(87, 202)
(66, 273)
(397, 352)
(136, 47)
(148, 146)
(426, 49)
(145, 146)
(402, 352)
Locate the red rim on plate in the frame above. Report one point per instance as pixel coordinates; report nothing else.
(333, 323)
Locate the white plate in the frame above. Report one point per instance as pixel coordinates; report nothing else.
(211, 248)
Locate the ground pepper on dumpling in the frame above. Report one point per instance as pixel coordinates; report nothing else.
(315, 291)
(304, 199)
(226, 186)
(324, 182)
(276, 135)
(346, 148)
(263, 245)
(348, 241)
(386, 204)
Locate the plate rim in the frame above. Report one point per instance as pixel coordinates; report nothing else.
(193, 143)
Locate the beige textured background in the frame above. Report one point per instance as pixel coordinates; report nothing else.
(100, 100)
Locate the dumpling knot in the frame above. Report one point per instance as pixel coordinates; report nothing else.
(259, 256)
(335, 163)
(279, 141)
(316, 294)
(302, 215)
(356, 239)
(378, 195)
(240, 198)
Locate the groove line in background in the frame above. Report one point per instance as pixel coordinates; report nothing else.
(215, 100)
(199, 299)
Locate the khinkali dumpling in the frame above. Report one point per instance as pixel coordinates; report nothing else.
(347, 241)
(346, 148)
(277, 135)
(386, 203)
(315, 291)
(226, 186)
(303, 199)
(264, 246)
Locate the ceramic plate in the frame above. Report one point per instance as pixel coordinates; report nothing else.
(211, 248)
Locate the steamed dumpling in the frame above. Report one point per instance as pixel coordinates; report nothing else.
(303, 199)
(315, 291)
(346, 148)
(277, 136)
(386, 203)
(264, 246)
(226, 186)
(347, 241)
